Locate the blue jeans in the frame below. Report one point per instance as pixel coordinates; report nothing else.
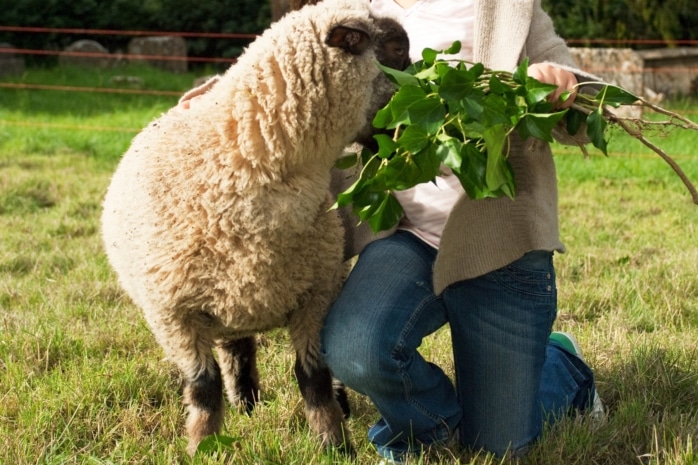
(508, 376)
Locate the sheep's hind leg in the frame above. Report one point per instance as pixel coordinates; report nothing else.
(203, 396)
(191, 350)
(238, 359)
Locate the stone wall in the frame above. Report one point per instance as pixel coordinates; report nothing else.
(672, 71)
(85, 53)
(165, 52)
(10, 63)
(620, 66)
(149, 48)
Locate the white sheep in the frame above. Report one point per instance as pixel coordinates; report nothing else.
(217, 218)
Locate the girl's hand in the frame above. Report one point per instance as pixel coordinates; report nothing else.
(563, 79)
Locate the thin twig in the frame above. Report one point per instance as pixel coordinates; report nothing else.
(677, 169)
(690, 124)
(623, 122)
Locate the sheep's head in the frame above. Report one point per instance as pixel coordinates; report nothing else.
(310, 84)
(393, 44)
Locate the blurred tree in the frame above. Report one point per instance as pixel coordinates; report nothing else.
(238, 16)
(625, 20)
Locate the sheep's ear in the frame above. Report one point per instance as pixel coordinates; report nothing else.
(201, 89)
(352, 38)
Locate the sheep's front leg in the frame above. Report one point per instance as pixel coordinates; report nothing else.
(238, 359)
(340, 393)
(322, 409)
(324, 414)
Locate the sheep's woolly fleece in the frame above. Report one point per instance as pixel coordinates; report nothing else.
(222, 208)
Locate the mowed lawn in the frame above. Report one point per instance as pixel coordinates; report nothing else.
(82, 380)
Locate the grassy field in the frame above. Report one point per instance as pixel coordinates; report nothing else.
(83, 382)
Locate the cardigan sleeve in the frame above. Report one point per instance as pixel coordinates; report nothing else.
(545, 45)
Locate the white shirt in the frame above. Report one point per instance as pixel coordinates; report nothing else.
(435, 24)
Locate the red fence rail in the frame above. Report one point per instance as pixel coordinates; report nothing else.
(140, 33)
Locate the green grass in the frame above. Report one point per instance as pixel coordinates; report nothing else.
(83, 382)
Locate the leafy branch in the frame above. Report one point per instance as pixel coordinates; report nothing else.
(458, 115)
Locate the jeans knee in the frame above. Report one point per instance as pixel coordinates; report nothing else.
(352, 357)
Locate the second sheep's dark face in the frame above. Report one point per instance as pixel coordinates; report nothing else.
(392, 44)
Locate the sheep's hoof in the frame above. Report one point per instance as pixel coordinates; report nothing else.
(246, 401)
(340, 394)
(342, 446)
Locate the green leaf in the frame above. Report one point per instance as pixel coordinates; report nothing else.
(498, 177)
(428, 74)
(453, 49)
(498, 87)
(449, 152)
(347, 196)
(564, 96)
(368, 201)
(476, 71)
(473, 172)
(413, 139)
(539, 125)
(428, 162)
(371, 166)
(386, 145)
(575, 118)
(455, 85)
(367, 155)
(473, 130)
(520, 75)
(215, 443)
(400, 173)
(615, 96)
(400, 105)
(429, 113)
(537, 91)
(429, 55)
(494, 111)
(347, 161)
(473, 104)
(384, 117)
(387, 214)
(401, 78)
(596, 127)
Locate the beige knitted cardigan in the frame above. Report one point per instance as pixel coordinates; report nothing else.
(483, 235)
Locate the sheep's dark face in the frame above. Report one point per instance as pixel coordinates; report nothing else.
(393, 45)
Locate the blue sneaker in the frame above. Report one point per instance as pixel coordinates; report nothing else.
(569, 342)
